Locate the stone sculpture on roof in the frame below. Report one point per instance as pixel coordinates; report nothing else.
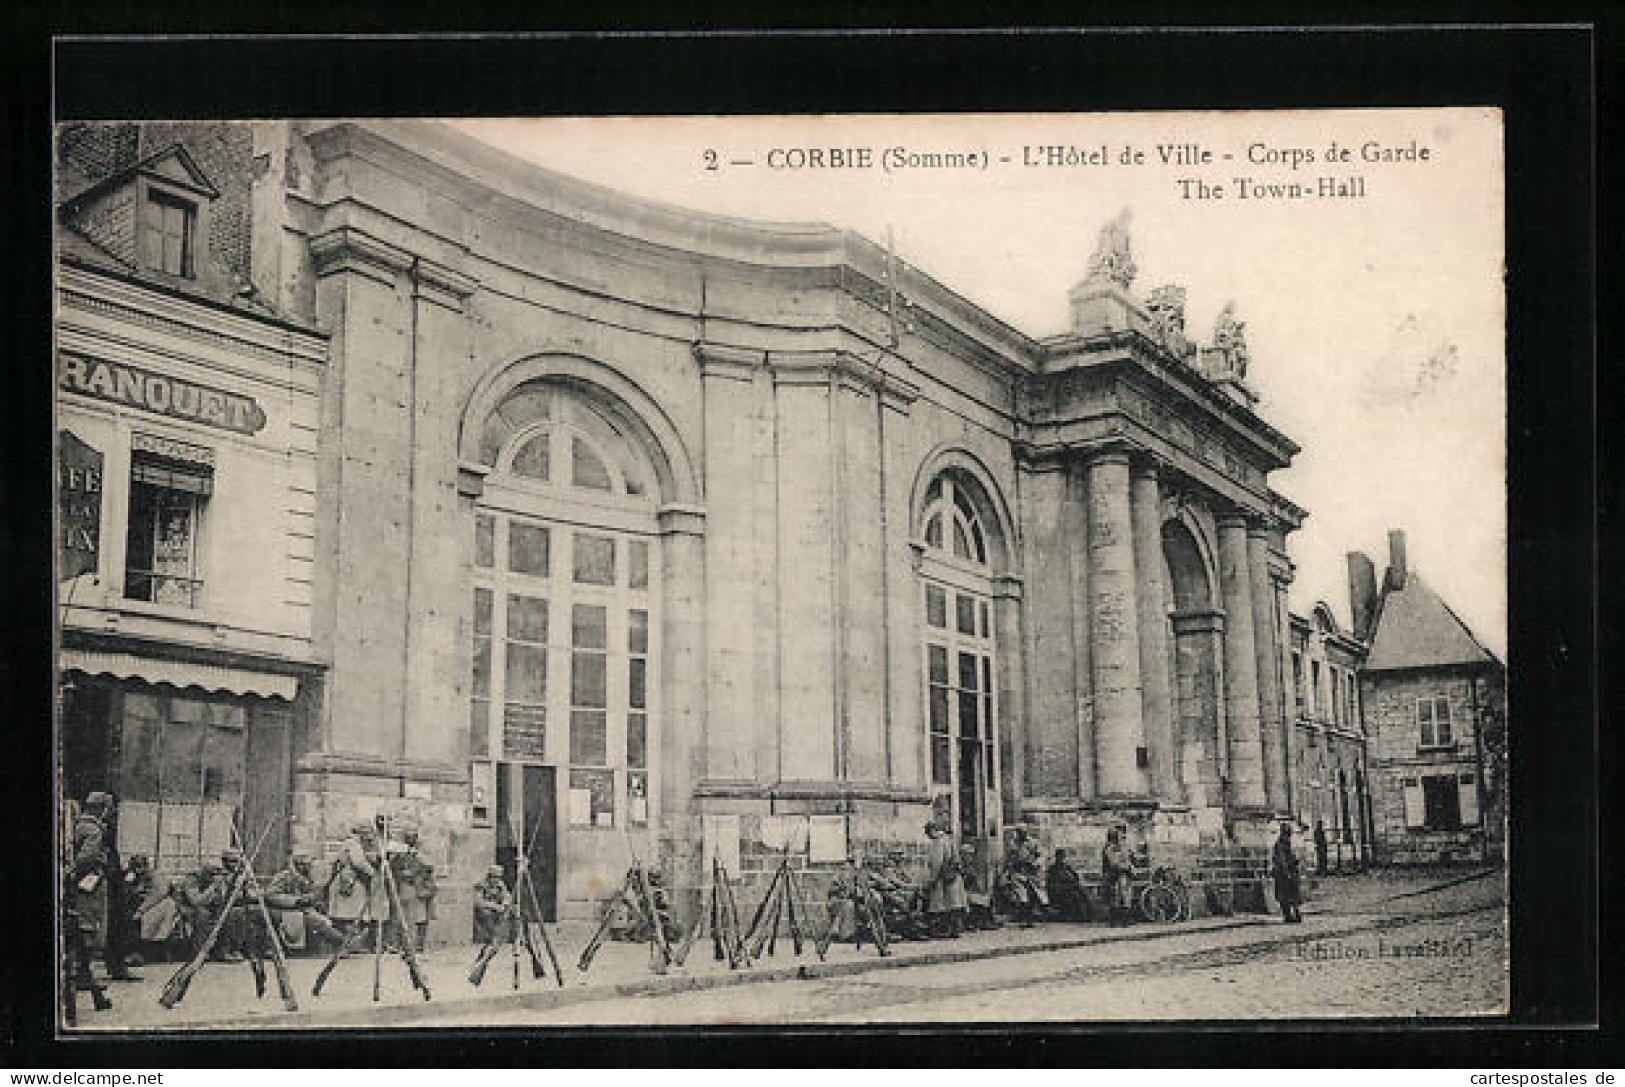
(1113, 258)
(1230, 339)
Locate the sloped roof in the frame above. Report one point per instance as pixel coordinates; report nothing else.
(1416, 629)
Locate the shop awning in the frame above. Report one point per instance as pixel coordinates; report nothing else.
(210, 677)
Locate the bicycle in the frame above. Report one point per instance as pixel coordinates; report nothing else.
(1166, 898)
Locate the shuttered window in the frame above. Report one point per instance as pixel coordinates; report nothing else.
(1415, 806)
(1467, 798)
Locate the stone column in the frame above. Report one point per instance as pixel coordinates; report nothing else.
(1156, 700)
(1012, 680)
(1051, 764)
(1289, 704)
(1266, 651)
(808, 722)
(860, 577)
(905, 727)
(1114, 634)
(1240, 665)
(679, 739)
(731, 671)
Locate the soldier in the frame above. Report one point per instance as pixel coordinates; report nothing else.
(136, 890)
(356, 895)
(1020, 878)
(1284, 867)
(193, 897)
(89, 897)
(1116, 873)
(1066, 889)
(292, 894)
(414, 885)
(116, 947)
(1321, 847)
(493, 906)
(244, 931)
(81, 869)
(945, 887)
(978, 895)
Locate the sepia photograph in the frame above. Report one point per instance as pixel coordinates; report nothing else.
(785, 570)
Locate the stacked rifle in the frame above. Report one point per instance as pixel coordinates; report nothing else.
(638, 891)
(175, 989)
(785, 902)
(520, 921)
(720, 916)
(397, 914)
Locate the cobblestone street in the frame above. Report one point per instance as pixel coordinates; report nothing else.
(1365, 955)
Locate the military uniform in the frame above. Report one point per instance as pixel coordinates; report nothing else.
(89, 872)
(292, 898)
(1117, 875)
(134, 891)
(1020, 880)
(945, 899)
(1066, 889)
(356, 892)
(1288, 885)
(493, 907)
(414, 885)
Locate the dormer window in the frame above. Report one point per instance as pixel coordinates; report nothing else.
(168, 231)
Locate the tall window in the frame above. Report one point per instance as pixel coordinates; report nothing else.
(168, 233)
(563, 609)
(1433, 721)
(959, 659)
(170, 484)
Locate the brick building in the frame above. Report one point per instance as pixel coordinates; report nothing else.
(1435, 715)
(639, 526)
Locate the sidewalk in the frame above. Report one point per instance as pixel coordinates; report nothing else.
(222, 994)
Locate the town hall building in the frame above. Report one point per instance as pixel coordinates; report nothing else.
(637, 529)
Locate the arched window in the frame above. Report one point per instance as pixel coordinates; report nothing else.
(960, 658)
(564, 618)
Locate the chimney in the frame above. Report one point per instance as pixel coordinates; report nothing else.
(1396, 560)
(1362, 593)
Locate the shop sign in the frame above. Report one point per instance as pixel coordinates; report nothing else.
(79, 509)
(160, 394)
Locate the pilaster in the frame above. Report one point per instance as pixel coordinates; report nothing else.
(1240, 666)
(1114, 634)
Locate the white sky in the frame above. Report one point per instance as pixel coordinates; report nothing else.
(1352, 307)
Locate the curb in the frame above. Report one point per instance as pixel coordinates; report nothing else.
(367, 1016)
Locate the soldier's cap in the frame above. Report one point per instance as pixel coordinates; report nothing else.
(231, 855)
(299, 855)
(494, 870)
(932, 825)
(98, 799)
(361, 826)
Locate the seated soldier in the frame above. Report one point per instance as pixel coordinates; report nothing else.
(493, 908)
(1019, 884)
(292, 898)
(897, 896)
(137, 891)
(1066, 894)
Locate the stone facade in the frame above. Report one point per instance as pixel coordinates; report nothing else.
(1330, 783)
(644, 532)
(1434, 701)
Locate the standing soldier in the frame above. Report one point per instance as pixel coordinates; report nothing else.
(356, 895)
(1116, 873)
(1021, 877)
(82, 868)
(414, 884)
(945, 892)
(116, 945)
(1320, 847)
(1288, 887)
(90, 871)
(292, 894)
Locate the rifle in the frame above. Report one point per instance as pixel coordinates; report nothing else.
(640, 883)
(175, 988)
(283, 983)
(408, 953)
(476, 974)
(523, 880)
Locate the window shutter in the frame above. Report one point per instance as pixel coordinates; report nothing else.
(1415, 808)
(1467, 797)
